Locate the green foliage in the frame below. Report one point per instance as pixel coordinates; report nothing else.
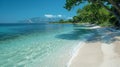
(106, 24)
(93, 13)
(64, 21)
(96, 11)
(70, 3)
(61, 21)
(76, 19)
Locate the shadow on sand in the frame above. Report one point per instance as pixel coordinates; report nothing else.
(76, 34)
(105, 35)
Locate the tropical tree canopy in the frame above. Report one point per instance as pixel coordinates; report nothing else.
(96, 9)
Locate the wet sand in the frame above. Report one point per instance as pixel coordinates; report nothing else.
(99, 53)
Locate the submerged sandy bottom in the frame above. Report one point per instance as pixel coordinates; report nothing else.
(100, 51)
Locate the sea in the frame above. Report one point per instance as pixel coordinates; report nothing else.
(40, 44)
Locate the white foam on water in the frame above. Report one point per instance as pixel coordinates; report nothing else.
(76, 49)
(75, 53)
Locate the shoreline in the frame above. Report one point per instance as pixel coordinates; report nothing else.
(75, 51)
(101, 53)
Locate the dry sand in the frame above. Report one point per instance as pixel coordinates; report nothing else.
(98, 54)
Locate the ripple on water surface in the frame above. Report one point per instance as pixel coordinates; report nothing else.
(49, 48)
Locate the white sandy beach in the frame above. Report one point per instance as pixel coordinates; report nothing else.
(101, 51)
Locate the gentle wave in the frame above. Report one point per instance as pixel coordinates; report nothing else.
(76, 49)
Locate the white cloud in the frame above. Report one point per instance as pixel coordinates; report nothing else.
(53, 16)
(59, 15)
(49, 15)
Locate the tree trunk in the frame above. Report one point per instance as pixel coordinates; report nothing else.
(116, 6)
(118, 18)
(115, 13)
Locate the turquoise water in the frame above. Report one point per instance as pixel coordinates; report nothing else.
(38, 45)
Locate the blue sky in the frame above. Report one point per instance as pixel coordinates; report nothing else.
(15, 10)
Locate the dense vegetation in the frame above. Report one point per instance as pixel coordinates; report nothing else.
(93, 13)
(102, 12)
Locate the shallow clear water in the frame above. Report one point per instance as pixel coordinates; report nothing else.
(38, 45)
